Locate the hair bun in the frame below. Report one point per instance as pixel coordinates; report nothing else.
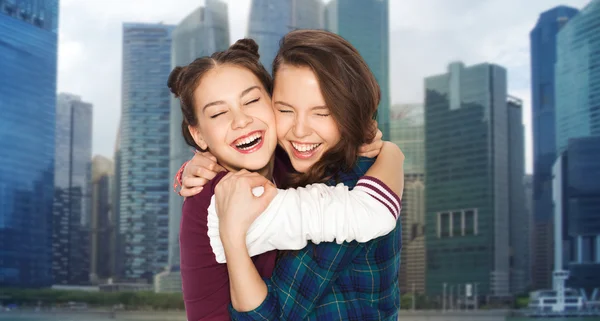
(247, 45)
(173, 82)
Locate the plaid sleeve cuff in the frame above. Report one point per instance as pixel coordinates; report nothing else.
(267, 310)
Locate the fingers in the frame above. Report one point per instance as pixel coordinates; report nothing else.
(369, 154)
(203, 172)
(253, 180)
(378, 135)
(188, 192)
(206, 160)
(193, 182)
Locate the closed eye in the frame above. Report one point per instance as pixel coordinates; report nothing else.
(285, 111)
(217, 115)
(323, 115)
(253, 101)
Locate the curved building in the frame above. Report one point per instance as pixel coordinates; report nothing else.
(201, 33)
(28, 47)
(270, 20)
(577, 77)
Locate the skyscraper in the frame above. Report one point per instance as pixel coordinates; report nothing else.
(577, 77)
(201, 33)
(577, 203)
(270, 20)
(102, 234)
(407, 130)
(118, 250)
(366, 25)
(144, 150)
(467, 173)
(28, 47)
(518, 214)
(72, 193)
(543, 57)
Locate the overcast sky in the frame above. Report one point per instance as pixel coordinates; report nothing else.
(425, 35)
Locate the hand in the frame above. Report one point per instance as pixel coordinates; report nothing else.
(372, 149)
(237, 206)
(201, 168)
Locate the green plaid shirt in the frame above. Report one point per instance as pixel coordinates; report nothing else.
(330, 281)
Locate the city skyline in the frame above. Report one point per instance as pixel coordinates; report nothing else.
(466, 140)
(417, 32)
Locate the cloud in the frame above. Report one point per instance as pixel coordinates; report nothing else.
(425, 35)
(89, 56)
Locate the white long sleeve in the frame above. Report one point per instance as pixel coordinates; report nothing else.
(317, 213)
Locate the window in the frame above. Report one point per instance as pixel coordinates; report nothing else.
(444, 225)
(456, 224)
(469, 222)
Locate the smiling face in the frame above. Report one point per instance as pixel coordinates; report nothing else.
(305, 127)
(235, 118)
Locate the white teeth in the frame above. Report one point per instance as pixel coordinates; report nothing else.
(247, 140)
(304, 147)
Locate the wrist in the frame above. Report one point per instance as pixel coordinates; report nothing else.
(232, 237)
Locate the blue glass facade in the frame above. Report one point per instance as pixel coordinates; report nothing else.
(28, 47)
(543, 58)
(72, 192)
(467, 172)
(580, 192)
(365, 24)
(270, 20)
(578, 77)
(201, 33)
(144, 150)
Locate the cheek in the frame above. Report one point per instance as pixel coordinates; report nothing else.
(284, 124)
(330, 132)
(214, 133)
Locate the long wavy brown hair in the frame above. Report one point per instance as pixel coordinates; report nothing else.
(349, 88)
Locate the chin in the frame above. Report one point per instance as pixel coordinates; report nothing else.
(255, 165)
(300, 166)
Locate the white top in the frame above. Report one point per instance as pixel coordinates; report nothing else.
(316, 213)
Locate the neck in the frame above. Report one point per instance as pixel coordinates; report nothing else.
(267, 171)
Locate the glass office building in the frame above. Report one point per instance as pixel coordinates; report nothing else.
(144, 178)
(467, 179)
(72, 191)
(578, 77)
(366, 25)
(543, 58)
(270, 20)
(28, 47)
(577, 201)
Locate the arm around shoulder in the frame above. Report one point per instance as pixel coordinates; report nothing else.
(389, 167)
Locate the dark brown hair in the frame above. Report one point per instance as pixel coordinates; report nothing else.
(350, 91)
(183, 81)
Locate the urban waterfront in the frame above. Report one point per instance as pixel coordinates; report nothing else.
(494, 105)
(180, 316)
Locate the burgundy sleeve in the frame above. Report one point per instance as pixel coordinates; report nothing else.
(205, 282)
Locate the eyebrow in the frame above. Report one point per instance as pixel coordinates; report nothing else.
(222, 102)
(288, 105)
